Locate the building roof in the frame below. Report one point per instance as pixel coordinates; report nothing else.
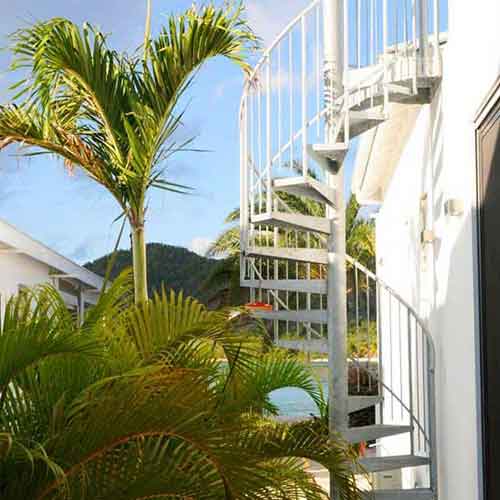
(13, 240)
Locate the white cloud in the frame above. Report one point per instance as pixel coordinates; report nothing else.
(269, 17)
(200, 245)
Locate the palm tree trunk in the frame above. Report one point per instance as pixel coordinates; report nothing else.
(139, 264)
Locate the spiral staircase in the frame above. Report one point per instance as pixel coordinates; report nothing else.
(298, 121)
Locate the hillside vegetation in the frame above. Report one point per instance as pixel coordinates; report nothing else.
(176, 268)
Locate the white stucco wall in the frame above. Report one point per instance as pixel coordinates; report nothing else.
(19, 269)
(439, 279)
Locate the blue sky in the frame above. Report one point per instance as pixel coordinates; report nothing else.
(71, 213)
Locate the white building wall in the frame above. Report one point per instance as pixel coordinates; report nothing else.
(19, 269)
(439, 279)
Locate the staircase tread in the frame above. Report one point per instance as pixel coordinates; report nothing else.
(305, 186)
(303, 316)
(371, 432)
(378, 464)
(315, 255)
(298, 221)
(312, 286)
(398, 494)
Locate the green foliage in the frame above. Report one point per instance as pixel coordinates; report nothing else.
(164, 399)
(175, 268)
(362, 341)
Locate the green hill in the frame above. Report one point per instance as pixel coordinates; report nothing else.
(174, 267)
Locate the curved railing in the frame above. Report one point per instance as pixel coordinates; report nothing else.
(400, 360)
(284, 105)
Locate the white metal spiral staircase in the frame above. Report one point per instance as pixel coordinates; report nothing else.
(296, 129)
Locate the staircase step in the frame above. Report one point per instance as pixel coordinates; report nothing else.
(308, 286)
(294, 221)
(319, 346)
(416, 494)
(357, 403)
(313, 255)
(379, 464)
(329, 156)
(306, 186)
(362, 121)
(303, 316)
(372, 432)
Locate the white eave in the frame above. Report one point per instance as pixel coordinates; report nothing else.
(379, 152)
(14, 241)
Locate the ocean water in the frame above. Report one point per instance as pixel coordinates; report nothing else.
(295, 402)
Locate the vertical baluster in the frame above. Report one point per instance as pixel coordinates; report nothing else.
(368, 318)
(358, 33)
(269, 193)
(410, 385)
(385, 27)
(356, 328)
(297, 295)
(346, 48)
(396, 27)
(287, 276)
(415, 55)
(391, 356)
(308, 296)
(400, 351)
(380, 345)
(405, 26)
(418, 382)
(280, 118)
(276, 273)
(259, 147)
(372, 32)
(437, 41)
(318, 72)
(290, 88)
(385, 24)
(303, 27)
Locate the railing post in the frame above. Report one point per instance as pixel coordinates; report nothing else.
(303, 44)
(243, 183)
(410, 384)
(269, 192)
(335, 24)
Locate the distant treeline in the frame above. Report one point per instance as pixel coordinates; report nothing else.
(174, 267)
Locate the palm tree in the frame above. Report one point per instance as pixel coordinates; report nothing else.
(159, 400)
(112, 114)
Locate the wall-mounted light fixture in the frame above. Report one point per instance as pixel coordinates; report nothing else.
(427, 236)
(454, 207)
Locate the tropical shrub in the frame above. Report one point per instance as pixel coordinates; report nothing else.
(159, 400)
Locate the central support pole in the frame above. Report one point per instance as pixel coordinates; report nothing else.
(333, 12)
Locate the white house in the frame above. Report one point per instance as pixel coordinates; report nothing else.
(417, 82)
(25, 262)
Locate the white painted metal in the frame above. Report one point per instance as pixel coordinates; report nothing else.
(300, 108)
(373, 432)
(357, 403)
(416, 494)
(379, 464)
